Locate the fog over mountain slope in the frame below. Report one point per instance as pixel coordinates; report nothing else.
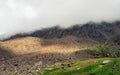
(95, 31)
(35, 34)
(18, 16)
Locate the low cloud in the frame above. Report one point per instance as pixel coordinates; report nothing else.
(27, 15)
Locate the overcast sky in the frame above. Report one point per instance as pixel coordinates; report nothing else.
(27, 15)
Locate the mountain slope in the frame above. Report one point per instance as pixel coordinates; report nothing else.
(29, 55)
(33, 44)
(96, 31)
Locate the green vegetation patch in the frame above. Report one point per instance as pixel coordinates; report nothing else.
(107, 49)
(87, 67)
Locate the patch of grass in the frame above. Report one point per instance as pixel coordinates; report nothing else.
(87, 67)
(96, 48)
(107, 49)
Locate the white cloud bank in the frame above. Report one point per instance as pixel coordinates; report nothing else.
(27, 15)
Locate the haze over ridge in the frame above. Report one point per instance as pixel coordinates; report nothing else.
(17, 16)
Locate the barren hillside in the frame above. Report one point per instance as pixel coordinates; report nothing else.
(30, 55)
(27, 45)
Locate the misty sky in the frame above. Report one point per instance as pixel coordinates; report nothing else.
(26, 15)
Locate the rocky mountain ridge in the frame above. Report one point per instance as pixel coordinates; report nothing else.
(96, 31)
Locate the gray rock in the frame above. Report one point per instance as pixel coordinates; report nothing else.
(78, 68)
(106, 61)
(38, 63)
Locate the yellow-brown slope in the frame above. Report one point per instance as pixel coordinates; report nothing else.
(64, 45)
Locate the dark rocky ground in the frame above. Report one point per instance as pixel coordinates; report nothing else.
(34, 63)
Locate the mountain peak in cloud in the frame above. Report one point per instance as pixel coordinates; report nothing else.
(18, 16)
